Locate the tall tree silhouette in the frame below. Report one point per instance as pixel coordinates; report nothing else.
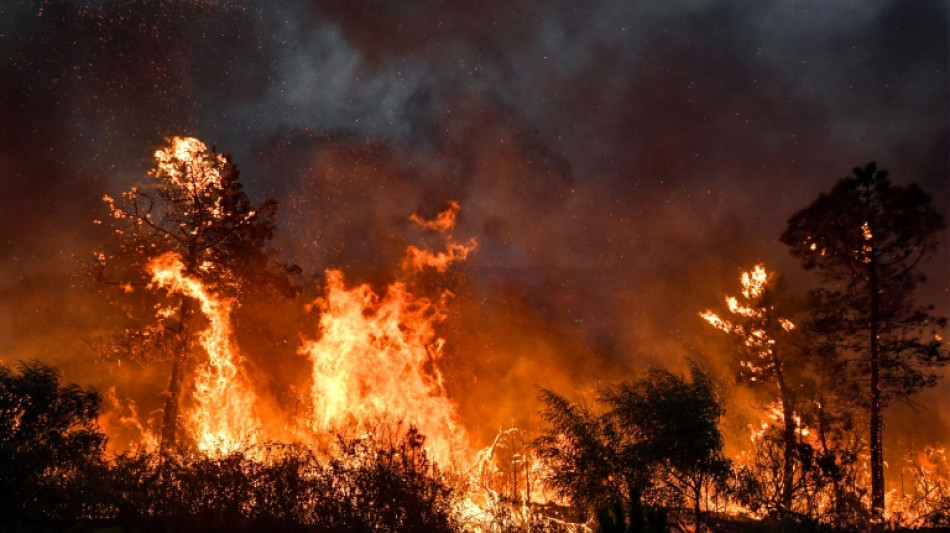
(865, 239)
(194, 206)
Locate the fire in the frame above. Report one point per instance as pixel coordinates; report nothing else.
(198, 175)
(752, 325)
(417, 259)
(866, 248)
(754, 282)
(376, 357)
(223, 416)
(924, 490)
(122, 421)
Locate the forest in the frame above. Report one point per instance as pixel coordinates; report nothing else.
(373, 439)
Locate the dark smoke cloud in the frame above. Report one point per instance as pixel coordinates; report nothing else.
(619, 162)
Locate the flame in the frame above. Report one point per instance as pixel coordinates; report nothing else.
(376, 357)
(223, 416)
(866, 248)
(755, 281)
(757, 340)
(924, 490)
(185, 164)
(122, 421)
(444, 223)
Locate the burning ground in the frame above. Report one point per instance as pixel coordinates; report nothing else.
(618, 166)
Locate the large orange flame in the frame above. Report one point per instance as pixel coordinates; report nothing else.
(377, 357)
(222, 418)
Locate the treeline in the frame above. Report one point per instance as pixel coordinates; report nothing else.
(646, 457)
(826, 365)
(56, 475)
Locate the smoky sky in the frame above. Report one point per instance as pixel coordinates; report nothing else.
(619, 162)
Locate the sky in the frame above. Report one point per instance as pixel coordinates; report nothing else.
(618, 162)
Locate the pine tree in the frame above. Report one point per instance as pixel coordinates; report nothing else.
(866, 239)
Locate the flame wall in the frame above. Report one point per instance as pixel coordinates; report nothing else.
(618, 163)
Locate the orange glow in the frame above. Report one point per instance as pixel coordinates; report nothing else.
(198, 174)
(754, 316)
(444, 223)
(377, 357)
(924, 489)
(222, 418)
(122, 421)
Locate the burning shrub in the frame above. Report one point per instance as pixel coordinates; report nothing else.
(924, 498)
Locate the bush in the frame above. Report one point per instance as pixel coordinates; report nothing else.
(364, 487)
(50, 450)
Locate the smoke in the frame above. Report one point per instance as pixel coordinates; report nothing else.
(618, 162)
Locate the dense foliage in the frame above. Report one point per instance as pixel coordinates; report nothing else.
(654, 444)
(50, 448)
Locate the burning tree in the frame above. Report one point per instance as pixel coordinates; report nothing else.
(196, 208)
(224, 417)
(865, 239)
(769, 355)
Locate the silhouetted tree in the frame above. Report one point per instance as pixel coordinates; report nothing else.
(194, 206)
(676, 423)
(769, 356)
(865, 239)
(50, 449)
(658, 437)
(592, 462)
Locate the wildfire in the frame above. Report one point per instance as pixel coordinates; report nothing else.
(375, 370)
(417, 259)
(196, 174)
(223, 416)
(376, 357)
(924, 490)
(752, 325)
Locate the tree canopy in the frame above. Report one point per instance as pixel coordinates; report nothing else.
(865, 239)
(657, 440)
(195, 207)
(49, 443)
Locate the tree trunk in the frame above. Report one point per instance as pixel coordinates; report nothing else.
(838, 495)
(876, 407)
(697, 511)
(788, 440)
(169, 436)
